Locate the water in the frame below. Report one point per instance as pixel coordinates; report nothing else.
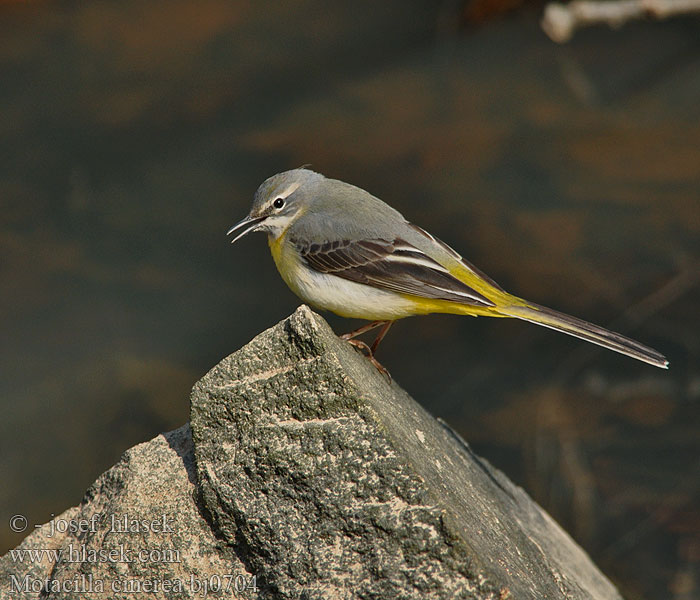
(132, 137)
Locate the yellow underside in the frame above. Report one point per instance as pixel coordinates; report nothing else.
(426, 306)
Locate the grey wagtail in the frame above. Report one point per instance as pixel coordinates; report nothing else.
(341, 249)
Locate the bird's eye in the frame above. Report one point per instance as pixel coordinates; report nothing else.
(278, 203)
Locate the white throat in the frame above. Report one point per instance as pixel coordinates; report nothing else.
(276, 225)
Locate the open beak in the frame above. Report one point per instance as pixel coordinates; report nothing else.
(248, 224)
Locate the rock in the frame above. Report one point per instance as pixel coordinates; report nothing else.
(309, 475)
(138, 533)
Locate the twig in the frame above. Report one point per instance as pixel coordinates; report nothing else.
(560, 21)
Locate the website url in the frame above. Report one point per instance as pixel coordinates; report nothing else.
(83, 554)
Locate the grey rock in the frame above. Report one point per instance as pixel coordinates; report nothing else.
(305, 474)
(170, 553)
(330, 482)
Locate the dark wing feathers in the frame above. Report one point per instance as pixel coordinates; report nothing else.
(397, 266)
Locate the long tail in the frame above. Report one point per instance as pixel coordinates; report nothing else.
(586, 331)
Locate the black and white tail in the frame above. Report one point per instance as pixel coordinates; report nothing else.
(586, 331)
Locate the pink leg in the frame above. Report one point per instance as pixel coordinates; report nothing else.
(365, 348)
(363, 329)
(380, 336)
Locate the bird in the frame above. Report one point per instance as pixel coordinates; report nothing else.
(341, 249)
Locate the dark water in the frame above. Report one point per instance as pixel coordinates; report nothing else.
(133, 135)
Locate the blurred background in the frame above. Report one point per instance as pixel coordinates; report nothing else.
(132, 135)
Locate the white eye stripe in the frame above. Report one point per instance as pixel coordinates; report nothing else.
(288, 191)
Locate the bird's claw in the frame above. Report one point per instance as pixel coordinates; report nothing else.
(364, 348)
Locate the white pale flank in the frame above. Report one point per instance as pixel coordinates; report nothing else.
(347, 298)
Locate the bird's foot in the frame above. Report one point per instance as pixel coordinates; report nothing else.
(367, 351)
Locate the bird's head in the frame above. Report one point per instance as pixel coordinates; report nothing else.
(278, 202)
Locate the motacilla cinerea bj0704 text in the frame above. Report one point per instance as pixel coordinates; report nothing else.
(341, 249)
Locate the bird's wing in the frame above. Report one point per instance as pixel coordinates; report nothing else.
(391, 265)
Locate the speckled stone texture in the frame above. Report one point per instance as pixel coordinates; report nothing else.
(304, 474)
(164, 549)
(330, 482)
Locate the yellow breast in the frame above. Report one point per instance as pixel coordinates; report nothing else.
(286, 259)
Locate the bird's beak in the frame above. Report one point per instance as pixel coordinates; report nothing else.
(250, 224)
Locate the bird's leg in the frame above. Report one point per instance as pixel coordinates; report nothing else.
(349, 337)
(380, 336)
(363, 329)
